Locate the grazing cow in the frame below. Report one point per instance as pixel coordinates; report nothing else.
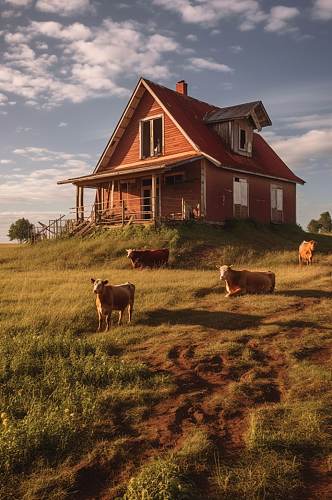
(246, 281)
(113, 298)
(148, 258)
(306, 251)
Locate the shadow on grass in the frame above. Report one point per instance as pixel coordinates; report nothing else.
(305, 293)
(299, 324)
(208, 319)
(203, 292)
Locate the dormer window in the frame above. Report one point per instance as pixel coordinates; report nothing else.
(151, 137)
(242, 139)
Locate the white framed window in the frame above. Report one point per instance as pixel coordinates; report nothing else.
(151, 136)
(241, 198)
(277, 203)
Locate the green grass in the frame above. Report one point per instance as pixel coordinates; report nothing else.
(154, 407)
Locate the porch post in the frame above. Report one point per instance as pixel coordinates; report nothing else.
(159, 200)
(154, 193)
(77, 202)
(203, 189)
(112, 195)
(81, 200)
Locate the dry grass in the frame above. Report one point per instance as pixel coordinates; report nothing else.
(217, 398)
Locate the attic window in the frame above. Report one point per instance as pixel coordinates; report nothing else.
(151, 137)
(242, 139)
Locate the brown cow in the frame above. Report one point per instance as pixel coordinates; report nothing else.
(113, 298)
(148, 258)
(306, 251)
(246, 281)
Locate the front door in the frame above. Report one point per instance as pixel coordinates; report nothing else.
(146, 199)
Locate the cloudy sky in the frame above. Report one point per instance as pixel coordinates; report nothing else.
(67, 68)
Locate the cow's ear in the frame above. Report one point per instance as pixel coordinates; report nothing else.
(92, 280)
(105, 282)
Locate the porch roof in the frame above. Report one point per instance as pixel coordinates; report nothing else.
(93, 180)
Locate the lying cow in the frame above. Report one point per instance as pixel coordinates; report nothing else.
(306, 251)
(113, 298)
(246, 281)
(148, 258)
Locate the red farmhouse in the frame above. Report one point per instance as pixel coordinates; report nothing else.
(172, 157)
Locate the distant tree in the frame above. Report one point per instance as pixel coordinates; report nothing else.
(325, 222)
(20, 230)
(314, 226)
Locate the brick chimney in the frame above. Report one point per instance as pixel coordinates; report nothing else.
(182, 87)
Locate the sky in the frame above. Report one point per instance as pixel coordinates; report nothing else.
(68, 67)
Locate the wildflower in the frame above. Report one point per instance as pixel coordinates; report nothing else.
(3, 415)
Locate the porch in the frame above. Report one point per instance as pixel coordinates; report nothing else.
(142, 196)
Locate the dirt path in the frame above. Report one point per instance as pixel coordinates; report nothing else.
(201, 384)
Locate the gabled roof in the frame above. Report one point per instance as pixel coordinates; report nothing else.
(254, 110)
(190, 116)
(189, 113)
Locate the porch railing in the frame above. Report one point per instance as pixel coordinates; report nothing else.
(138, 210)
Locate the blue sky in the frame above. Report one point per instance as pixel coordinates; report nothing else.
(67, 68)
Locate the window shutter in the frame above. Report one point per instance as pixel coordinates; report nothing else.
(244, 192)
(279, 199)
(237, 193)
(146, 138)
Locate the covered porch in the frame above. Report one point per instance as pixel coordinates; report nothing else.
(142, 195)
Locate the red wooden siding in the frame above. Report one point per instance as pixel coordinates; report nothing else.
(219, 196)
(128, 149)
(189, 190)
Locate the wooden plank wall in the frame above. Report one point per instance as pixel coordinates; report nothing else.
(128, 151)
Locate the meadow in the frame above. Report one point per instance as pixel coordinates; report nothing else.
(200, 397)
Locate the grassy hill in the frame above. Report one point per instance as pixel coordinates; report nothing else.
(201, 397)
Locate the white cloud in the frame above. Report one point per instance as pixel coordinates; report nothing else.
(20, 129)
(3, 113)
(247, 13)
(210, 12)
(303, 149)
(19, 3)
(44, 155)
(39, 183)
(3, 99)
(64, 7)
(63, 124)
(84, 62)
(192, 38)
(313, 121)
(5, 162)
(236, 49)
(198, 64)
(279, 18)
(322, 10)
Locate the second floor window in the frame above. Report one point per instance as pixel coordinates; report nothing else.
(151, 137)
(242, 139)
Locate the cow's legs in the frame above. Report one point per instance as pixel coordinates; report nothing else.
(130, 311)
(99, 321)
(107, 320)
(120, 316)
(234, 292)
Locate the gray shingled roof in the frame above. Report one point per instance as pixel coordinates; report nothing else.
(236, 112)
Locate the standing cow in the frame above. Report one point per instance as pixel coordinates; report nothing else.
(247, 281)
(148, 258)
(306, 251)
(113, 298)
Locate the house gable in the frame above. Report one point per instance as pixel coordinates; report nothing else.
(128, 148)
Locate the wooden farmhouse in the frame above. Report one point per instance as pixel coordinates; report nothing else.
(173, 157)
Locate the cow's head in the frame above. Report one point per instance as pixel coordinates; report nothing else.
(224, 271)
(313, 244)
(129, 252)
(98, 285)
